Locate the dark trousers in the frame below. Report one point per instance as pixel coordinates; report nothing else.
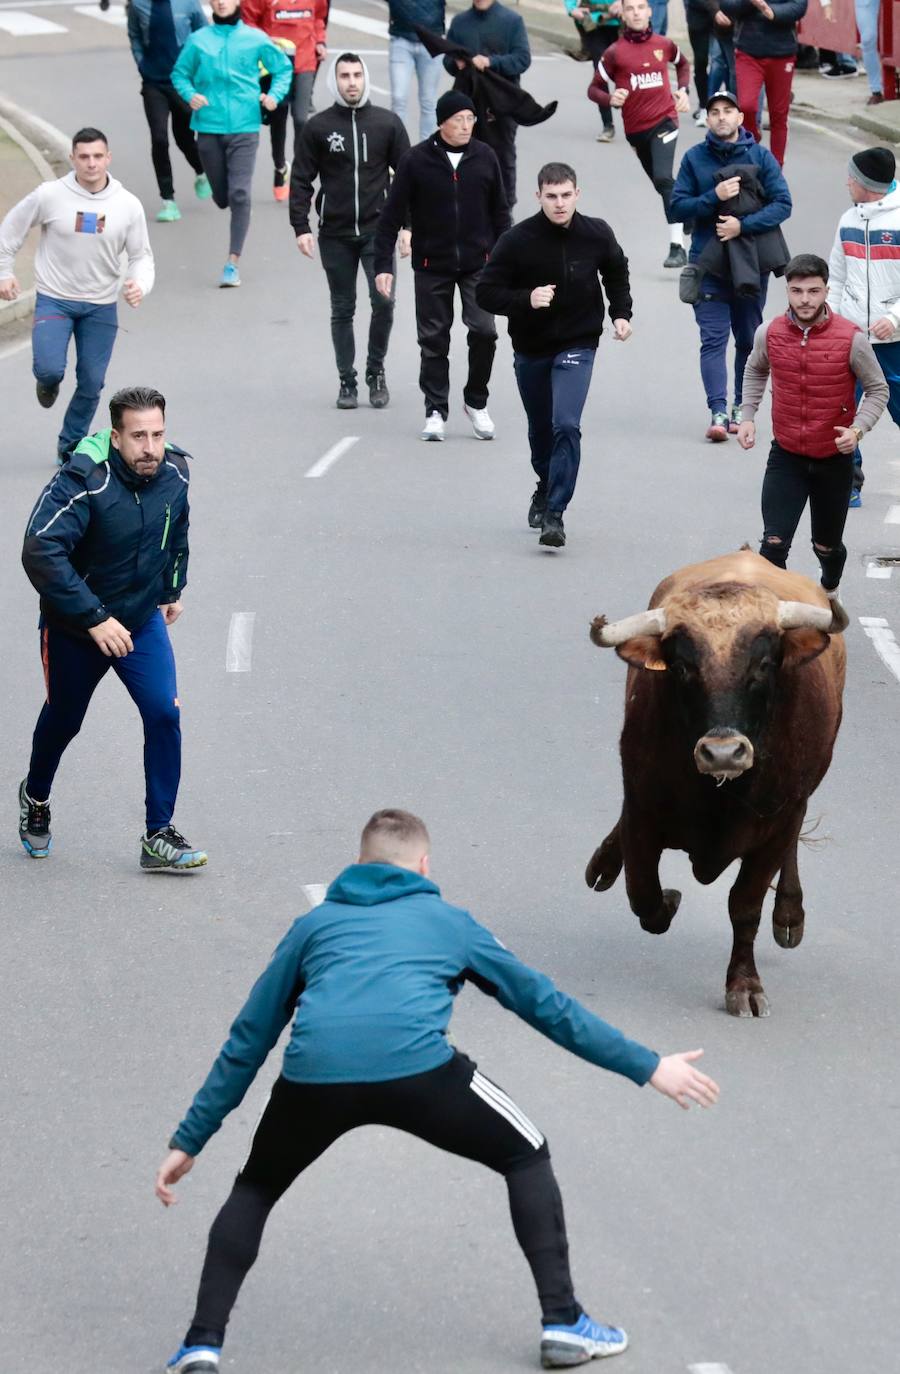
(596, 41)
(298, 104)
(553, 392)
(228, 160)
(453, 1107)
(656, 152)
(161, 102)
(73, 669)
(720, 313)
(341, 259)
(500, 134)
(434, 317)
(94, 329)
(790, 481)
(700, 29)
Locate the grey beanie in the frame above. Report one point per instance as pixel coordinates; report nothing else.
(874, 168)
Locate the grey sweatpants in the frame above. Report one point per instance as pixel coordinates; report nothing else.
(228, 161)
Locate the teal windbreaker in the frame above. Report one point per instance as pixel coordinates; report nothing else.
(221, 62)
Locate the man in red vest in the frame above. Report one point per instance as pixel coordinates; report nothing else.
(815, 359)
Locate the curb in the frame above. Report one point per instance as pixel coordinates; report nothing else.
(47, 149)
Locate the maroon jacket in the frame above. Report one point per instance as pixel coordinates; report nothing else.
(813, 384)
(639, 63)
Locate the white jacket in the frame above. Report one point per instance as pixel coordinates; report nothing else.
(84, 238)
(864, 268)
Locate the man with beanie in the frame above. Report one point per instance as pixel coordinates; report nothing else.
(544, 275)
(698, 197)
(367, 981)
(449, 191)
(352, 149)
(864, 280)
(765, 52)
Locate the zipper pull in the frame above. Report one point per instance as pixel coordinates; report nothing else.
(137, 498)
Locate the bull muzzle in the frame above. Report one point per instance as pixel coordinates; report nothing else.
(723, 756)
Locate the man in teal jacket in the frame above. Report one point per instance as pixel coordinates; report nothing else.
(217, 74)
(369, 978)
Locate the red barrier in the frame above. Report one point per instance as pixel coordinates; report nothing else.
(839, 34)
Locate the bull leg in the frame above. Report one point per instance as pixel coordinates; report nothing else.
(606, 862)
(788, 915)
(653, 905)
(744, 995)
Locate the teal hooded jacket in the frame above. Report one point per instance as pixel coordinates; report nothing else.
(221, 61)
(369, 978)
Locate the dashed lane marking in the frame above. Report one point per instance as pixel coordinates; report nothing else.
(708, 1369)
(114, 15)
(239, 648)
(314, 893)
(893, 516)
(334, 453)
(345, 20)
(876, 569)
(22, 25)
(882, 636)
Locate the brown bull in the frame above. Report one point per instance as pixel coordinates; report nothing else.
(732, 707)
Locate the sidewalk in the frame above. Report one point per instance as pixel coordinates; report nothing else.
(30, 152)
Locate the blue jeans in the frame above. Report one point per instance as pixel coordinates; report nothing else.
(888, 355)
(553, 392)
(73, 669)
(721, 64)
(406, 57)
(719, 313)
(659, 16)
(95, 328)
(867, 23)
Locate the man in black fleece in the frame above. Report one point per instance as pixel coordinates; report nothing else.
(543, 275)
(449, 191)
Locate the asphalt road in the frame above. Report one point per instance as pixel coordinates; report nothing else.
(411, 645)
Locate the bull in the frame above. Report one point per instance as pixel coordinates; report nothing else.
(732, 708)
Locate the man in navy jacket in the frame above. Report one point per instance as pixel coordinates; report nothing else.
(368, 980)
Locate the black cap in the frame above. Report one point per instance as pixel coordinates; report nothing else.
(723, 95)
(874, 168)
(452, 103)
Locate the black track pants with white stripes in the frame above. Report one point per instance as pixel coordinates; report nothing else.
(454, 1107)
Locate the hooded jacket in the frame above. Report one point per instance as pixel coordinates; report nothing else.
(694, 200)
(368, 979)
(864, 267)
(222, 63)
(102, 541)
(301, 22)
(761, 37)
(352, 150)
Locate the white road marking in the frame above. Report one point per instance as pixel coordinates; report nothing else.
(114, 15)
(709, 1369)
(22, 25)
(334, 453)
(893, 516)
(829, 133)
(239, 649)
(874, 569)
(886, 646)
(314, 892)
(379, 90)
(345, 20)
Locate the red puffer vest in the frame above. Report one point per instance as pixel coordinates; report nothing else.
(813, 385)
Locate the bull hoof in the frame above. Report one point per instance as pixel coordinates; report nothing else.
(605, 865)
(659, 922)
(788, 937)
(744, 1001)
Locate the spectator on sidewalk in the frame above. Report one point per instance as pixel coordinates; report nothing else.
(157, 31)
(598, 23)
(765, 42)
(88, 223)
(867, 12)
(707, 23)
(407, 54)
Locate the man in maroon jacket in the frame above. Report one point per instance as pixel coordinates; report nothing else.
(637, 67)
(816, 360)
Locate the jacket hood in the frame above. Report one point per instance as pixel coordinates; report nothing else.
(888, 204)
(370, 884)
(331, 83)
(111, 188)
(730, 151)
(96, 446)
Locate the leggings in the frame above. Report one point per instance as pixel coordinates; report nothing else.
(453, 1107)
(228, 161)
(790, 481)
(656, 152)
(161, 102)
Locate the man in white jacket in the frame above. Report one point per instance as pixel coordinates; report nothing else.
(88, 222)
(864, 281)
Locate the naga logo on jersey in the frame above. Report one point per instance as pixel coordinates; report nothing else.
(645, 81)
(336, 143)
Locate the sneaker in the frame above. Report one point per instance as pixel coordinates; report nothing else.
(347, 398)
(168, 213)
(230, 275)
(34, 824)
(606, 135)
(481, 422)
(538, 507)
(378, 392)
(737, 415)
(855, 499)
(677, 256)
(167, 850)
(553, 536)
(876, 98)
(280, 188)
(194, 1359)
(46, 394)
(202, 188)
(584, 1340)
(837, 71)
(433, 431)
(718, 429)
(699, 118)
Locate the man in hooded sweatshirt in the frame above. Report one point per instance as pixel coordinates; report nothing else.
(352, 149)
(88, 223)
(697, 196)
(368, 981)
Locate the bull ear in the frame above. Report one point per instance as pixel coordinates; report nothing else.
(642, 651)
(802, 646)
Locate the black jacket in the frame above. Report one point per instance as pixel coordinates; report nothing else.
(352, 152)
(494, 95)
(102, 541)
(760, 37)
(456, 217)
(743, 260)
(539, 253)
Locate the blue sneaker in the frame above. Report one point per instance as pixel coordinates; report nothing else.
(194, 1359)
(562, 1346)
(855, 499)
(230, 275)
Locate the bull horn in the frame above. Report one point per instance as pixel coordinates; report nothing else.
(607, 636)
(801, 615)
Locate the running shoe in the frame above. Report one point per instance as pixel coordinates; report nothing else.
(855, 499)
(202, 188)
(46, 394)
(699, 118)
(230, 275)
(481, 422)
(737, 415)
(553, 535)
(677, 256)
(606, 135)
(378, 392)
(538, 508)
(194, 1359)
(168, 213)
(168, 851)
(34, 824)
(838, 71)
(280, 188)
(347, 398)
(433, 430)
(717, 432)
(584, 1340)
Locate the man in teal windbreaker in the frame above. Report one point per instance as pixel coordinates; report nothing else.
(369, 978)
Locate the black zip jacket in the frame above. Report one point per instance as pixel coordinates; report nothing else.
(102, 541)
(352, 151)
(539, 253)
(456, 216)
(761, 37)
(745, 260)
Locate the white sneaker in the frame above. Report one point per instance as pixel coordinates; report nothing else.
(699, 118)
(481, 422)
(433, 431)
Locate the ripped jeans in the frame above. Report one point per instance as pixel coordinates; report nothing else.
(790, 481)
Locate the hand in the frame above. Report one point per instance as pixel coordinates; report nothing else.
(746, 435)
(460, 64)
(9, 289)
(727, 227)
(721, 18)
(133, 293)
(384, 283)
(480, 62)
(764, 9)
(321, 51)
(676, 1077)
(618, 97)
(728, 189)
(111, 637)
(882, 329)
(404, 243)
(171, 611)
(175, 1165)
(542, 296)
(622, 330)
(846, 438)
(198, 101)
(615, 10)
(268, 102)
(307, 245)
(682, 102)
(581, 12)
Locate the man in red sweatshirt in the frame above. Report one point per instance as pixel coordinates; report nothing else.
(637, 67)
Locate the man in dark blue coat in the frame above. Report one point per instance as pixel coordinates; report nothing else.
(697, 198)
(107, 549)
